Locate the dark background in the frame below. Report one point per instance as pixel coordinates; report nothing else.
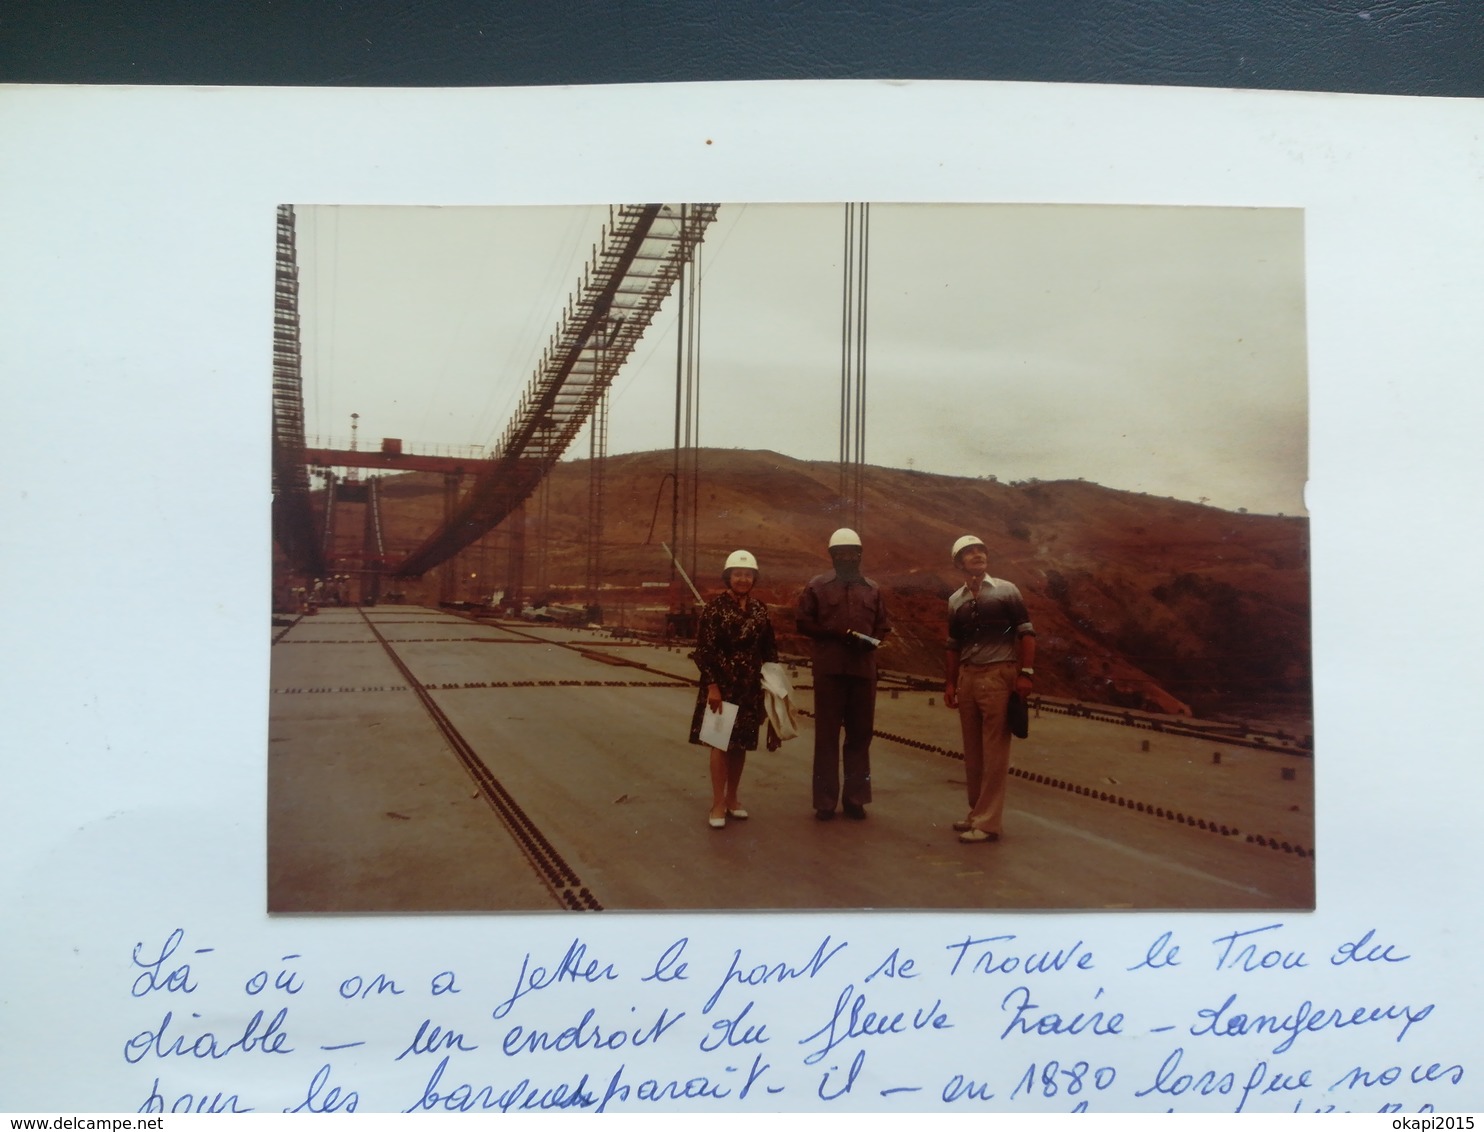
(1412, 47)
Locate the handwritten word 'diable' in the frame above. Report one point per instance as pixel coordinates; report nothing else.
(851, 1019)
(254, 1039)
(574, 967)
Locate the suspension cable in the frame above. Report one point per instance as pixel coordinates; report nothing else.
(853, 312)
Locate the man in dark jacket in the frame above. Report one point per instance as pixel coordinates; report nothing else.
(844, 614)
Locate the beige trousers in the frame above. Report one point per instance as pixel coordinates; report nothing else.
(983, 699)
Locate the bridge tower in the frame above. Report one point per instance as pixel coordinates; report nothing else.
(364, 560)
(293, 518)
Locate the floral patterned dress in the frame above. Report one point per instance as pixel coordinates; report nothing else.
(732, 644)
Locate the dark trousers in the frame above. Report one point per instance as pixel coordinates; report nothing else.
(849, 702)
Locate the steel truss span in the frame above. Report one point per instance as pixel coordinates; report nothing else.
(633, 269)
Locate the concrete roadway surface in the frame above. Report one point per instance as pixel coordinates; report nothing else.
(370, 809)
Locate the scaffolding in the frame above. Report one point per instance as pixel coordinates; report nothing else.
(293, 518)
(597, 459)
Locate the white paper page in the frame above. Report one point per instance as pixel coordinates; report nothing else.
(716, 726)
(136, 228)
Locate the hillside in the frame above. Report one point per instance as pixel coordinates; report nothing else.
(1138, 600)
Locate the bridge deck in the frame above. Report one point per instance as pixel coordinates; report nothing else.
(371, 810)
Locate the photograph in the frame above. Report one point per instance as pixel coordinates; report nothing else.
(905, 583)
(767, 556)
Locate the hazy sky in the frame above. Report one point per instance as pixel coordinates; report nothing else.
(1150, 349)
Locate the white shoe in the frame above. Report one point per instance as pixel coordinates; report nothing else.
(974, 836)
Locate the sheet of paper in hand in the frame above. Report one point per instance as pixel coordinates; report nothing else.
(716, 726)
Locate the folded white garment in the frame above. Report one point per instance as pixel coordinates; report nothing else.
(776, 702)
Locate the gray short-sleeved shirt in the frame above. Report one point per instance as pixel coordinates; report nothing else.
(985, 626)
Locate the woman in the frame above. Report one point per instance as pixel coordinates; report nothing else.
(734, 640)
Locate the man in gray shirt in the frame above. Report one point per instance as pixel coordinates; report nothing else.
(990, 653)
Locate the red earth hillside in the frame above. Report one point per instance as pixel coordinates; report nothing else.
(1138, 600)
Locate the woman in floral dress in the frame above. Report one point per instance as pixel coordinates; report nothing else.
(733, 641)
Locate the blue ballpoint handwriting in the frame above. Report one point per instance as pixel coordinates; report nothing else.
(573, 967)
(690, 1024)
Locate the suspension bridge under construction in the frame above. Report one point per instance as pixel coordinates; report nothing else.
(453, 755)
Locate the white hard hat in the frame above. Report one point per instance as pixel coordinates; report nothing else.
(739, 560)
(964, 543)
(844, 537)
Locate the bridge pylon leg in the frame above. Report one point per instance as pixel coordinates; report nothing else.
(515, 571)
(448, 572)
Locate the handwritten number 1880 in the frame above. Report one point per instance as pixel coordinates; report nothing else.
(1053, 1079)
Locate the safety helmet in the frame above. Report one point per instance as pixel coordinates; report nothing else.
(739, 560)
(844, 537)
(964, 543)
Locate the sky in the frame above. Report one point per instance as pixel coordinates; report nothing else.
(1153, 349)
